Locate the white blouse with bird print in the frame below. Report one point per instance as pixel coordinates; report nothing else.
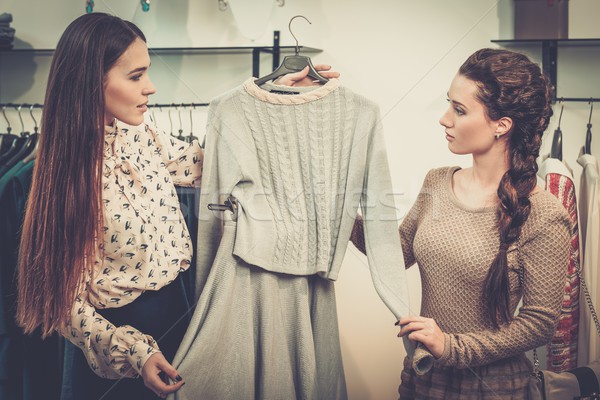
(146, 242)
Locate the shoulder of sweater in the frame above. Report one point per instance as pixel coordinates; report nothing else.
(365, 103)
(546, 212)
(437, 176)
(226, 97)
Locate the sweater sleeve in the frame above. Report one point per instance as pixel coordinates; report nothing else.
(382, 243)
(221, 172)
(410, 223)
(112, 352)
(544, 257)
(182, 159)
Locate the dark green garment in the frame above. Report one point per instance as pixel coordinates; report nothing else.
(29, 367)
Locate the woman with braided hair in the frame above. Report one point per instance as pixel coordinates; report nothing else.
(486, 236)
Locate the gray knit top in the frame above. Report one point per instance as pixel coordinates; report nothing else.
(300, 165)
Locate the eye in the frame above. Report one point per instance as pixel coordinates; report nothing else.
(136, 77)
(459, 111)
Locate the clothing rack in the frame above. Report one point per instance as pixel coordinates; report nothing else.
(22, 105)
(578, 99)
(173, 105)
(37, 105)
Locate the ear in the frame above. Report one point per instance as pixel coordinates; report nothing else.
(503, 126)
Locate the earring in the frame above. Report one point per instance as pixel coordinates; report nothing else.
(497, 136)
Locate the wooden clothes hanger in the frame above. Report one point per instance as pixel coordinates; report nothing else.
(293, 63)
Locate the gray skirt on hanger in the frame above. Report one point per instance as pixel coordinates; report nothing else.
(256, 334)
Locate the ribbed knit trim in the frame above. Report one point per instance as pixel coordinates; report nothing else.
(306, 93)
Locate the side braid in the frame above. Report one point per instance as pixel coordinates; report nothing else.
(510, 85)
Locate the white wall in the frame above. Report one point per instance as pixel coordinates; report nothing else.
(402, 54)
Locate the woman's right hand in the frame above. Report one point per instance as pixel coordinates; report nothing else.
(151, 371)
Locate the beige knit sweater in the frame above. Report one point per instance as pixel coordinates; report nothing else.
(454, 245)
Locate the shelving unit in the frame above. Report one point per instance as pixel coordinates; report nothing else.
(550, 57)
(276, 50)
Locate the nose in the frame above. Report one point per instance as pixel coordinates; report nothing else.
(445, 119)
(150, 88)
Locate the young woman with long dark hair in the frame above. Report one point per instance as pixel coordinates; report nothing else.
(486, 236)
(104, 242)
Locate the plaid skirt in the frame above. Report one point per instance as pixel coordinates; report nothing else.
(502, 379)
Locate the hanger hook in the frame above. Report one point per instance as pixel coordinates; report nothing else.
(18, 108)
(292, 33)
(591, 110)
(562, 107)
(192, 120)
(179, 115)
(170, 122)
(35, 127)
(8, 128)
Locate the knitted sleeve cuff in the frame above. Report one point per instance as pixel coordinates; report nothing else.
(444, 359)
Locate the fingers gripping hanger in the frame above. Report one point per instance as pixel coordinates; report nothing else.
(588, 135)
(556, 150)
(293, 63)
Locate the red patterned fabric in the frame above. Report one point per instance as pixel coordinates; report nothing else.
(562, 350)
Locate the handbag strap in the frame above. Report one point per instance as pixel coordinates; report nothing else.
(588, 299)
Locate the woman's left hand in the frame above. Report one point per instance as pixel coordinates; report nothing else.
(424, 330)
(301, 78)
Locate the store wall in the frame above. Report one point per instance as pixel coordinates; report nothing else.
(401, 54)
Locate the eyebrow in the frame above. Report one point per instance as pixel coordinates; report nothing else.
(141, 69)
(454, 101)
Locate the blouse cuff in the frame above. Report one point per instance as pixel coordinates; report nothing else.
(140, 352)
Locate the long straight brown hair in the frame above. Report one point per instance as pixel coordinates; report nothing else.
(62, 231)
(510, 85)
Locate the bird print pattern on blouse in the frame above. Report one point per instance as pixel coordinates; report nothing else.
(146, 242)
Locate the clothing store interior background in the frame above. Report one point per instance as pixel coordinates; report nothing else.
(401, 54)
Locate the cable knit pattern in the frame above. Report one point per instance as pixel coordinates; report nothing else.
(296, 163)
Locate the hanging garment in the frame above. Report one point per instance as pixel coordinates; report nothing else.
(589, 217)
(265, 325)
(189, 198)
(562, 350)
(29, 366)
